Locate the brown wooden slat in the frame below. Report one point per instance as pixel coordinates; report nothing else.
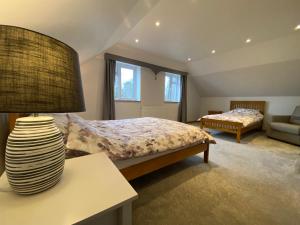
(151, 165)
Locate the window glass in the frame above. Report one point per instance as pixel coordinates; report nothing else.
(172, 87)
(127, 82)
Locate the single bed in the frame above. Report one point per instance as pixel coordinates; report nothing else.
(227, 123)
(157, 142)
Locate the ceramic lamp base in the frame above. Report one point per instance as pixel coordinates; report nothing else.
(35, 155)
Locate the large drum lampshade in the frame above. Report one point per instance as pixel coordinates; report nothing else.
(38, 73)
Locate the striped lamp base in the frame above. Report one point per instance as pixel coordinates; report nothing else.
(35, 155)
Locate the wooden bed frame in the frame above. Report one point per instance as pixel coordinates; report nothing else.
(235, 127)
(151, 165)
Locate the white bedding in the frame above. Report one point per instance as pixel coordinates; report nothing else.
(131, 138)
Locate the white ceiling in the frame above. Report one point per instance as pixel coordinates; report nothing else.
(86, 25)
(192, 28)
(189, 28)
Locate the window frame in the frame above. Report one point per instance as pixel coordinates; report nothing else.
(172, 76)
(136, 82)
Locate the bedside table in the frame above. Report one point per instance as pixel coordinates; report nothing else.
(211, 112)
(91, 191)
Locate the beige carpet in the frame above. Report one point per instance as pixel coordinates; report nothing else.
(255, 182)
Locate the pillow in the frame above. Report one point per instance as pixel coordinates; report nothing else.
(295, 118)
(248, 111)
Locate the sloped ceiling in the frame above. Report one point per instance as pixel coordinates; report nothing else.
(192, 28)
(88, 26)
(268, 66)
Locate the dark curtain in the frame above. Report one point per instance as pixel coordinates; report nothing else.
(182, 109)
(109, 82)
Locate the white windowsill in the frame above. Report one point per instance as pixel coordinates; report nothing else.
(124, 100)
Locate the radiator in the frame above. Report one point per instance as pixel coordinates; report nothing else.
(164, 112)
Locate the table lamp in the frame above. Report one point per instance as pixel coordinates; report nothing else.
(38, 74)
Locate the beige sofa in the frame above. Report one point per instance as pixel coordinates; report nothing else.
(286, 128)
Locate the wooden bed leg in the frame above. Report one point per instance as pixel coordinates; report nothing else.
(206, 154)
(201, 125)
(238, 135)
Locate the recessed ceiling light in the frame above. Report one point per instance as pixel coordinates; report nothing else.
(213, 51)
(157, 23)
(137, 40)
(189, 59)
(248, 40)
(297, 27)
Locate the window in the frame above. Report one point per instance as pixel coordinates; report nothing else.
(172, 87)
(127, 82)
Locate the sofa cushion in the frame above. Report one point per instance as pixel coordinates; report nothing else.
(295, 118)
(286, 127)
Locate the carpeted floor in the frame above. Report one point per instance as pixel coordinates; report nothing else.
(255, 182)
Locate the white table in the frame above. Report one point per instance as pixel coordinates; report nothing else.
(91, 191)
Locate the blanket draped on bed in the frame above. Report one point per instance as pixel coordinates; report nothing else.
(123, 139)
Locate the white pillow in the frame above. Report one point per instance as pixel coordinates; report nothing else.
(247, 111)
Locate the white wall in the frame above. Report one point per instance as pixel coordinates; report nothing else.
(193, 100)
(126, 110)
(152, 91)
(92, 75)
(274, 105)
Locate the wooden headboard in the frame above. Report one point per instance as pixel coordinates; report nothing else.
(259, 105)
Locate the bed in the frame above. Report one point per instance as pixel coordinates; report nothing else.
(235, 125)
(158, 148)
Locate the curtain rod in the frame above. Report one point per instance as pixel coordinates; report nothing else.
(155, 68)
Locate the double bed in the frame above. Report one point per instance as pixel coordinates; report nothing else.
(243, 117)
(136, 146)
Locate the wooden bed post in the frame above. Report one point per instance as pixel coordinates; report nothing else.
(238, 135)
(201, 124)
(206, 154)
